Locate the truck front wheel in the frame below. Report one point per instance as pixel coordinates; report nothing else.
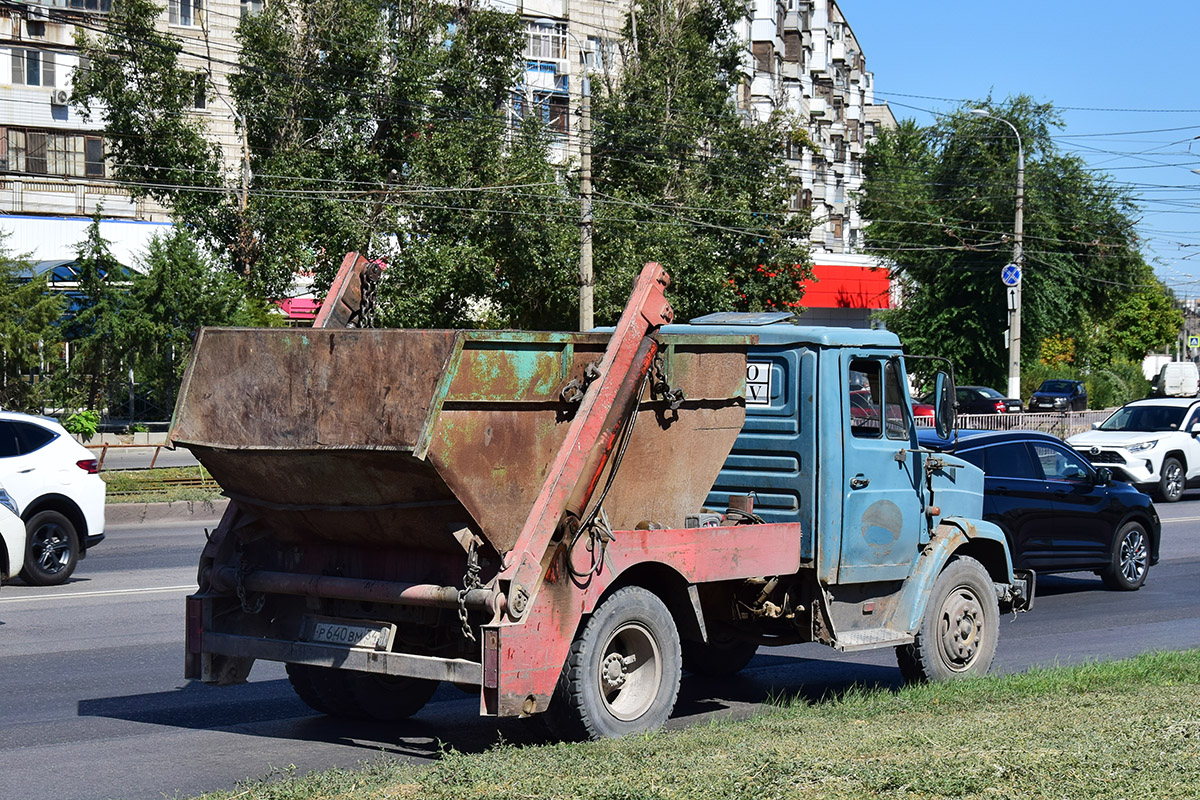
(622, 674)
(958, 632)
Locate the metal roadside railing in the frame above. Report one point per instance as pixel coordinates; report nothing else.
(1062, 424)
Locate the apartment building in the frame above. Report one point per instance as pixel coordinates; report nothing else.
(802, 60)
(54, 168)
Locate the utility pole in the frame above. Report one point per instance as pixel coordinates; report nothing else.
(1014, 337)
(587, 280)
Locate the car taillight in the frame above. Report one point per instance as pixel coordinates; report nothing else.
(89, 465)
(1000, 406)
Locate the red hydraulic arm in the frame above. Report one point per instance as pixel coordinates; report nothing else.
(585, 452)
(350, 296)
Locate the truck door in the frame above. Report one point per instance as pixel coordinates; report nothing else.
(882, 507)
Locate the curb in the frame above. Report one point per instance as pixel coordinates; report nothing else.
(179, 511)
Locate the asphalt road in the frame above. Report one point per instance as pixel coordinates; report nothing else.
(122, 457)
(93, 705)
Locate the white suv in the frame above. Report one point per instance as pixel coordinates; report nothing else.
(1153, 444)
(55, 484)
(12, 538)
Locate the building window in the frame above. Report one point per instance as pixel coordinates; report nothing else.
(199, 92)
(550, 107)
(50, 153)
(93, 156)
(32, 68)
(36, 28)
(185, 12)
(250, 7)
(91, 5)
(835, 223)
(763, 52)
(545, 42)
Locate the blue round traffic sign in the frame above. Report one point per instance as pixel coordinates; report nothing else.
(1011, 275)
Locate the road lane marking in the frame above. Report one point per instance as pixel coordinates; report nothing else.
(1179, 519)
(25, 598)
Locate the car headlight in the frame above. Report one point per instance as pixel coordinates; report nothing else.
(7, 501)
(1140, 446)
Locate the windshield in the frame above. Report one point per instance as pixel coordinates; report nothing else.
(1056, 386)
(1145, 418)
(986, 392)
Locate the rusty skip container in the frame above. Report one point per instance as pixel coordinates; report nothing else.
(401, 438)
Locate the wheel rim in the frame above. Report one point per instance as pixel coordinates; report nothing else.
(1133, 556)
(1174, 478)
(630, 671)
(960, 629)
(51, 548)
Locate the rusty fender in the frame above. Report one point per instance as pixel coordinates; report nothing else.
(522, 660)
(952, 535)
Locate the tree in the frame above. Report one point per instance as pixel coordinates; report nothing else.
(941, 199)
(97, 331)
(177, 293)
(683, 178)
(30, 339)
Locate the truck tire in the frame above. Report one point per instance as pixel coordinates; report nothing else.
(622, 673)
(1170, 485)
(957, 635)
(719, 657)
(389, 698)
(359, 695)
(51, 549)
(1130, 559)
(324, 689)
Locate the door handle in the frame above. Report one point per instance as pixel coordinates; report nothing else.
(859, 482)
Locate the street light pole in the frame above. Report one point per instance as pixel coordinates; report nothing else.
(587, 280)
(1014, 335)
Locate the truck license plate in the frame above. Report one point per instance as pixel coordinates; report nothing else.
(372, 636)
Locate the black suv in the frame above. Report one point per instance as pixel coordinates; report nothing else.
(1057, 394)
(1059, 513)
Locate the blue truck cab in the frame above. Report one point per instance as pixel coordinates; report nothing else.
(893, 537)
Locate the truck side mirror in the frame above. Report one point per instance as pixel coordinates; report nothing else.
(943, 405)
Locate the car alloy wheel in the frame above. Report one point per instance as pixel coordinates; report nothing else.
(1130, 559)
(1171, 485)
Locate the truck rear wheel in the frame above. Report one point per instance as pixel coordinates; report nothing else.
(622, 674)
(958, 633)
(359, 695)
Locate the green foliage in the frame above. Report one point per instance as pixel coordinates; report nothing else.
(99, 330)
(83, 423)
(683, 179)
(177, 293)
(30, 338)
(942, 200)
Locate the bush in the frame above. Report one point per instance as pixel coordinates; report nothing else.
(83, 423)
(1110, 385)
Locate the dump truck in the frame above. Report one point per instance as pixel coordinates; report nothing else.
(563, 523)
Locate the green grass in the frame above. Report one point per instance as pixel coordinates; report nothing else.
(160, 485)
(1128, 729)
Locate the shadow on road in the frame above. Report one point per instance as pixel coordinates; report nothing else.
(451, 720)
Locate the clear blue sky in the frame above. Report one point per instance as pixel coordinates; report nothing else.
(1124, 75)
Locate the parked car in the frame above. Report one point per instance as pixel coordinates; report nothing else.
(981, 400)
(1058, 512)
(1149, 443)
(55, 484)
(12, 538)
(1059, 395)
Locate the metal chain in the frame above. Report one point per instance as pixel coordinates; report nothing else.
(249, 606)
(660, 387)
(470, 581)
(370, 285)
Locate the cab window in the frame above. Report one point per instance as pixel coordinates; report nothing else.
(895, 412)
(865, 388)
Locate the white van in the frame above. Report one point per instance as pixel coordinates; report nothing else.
(1177, 379)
